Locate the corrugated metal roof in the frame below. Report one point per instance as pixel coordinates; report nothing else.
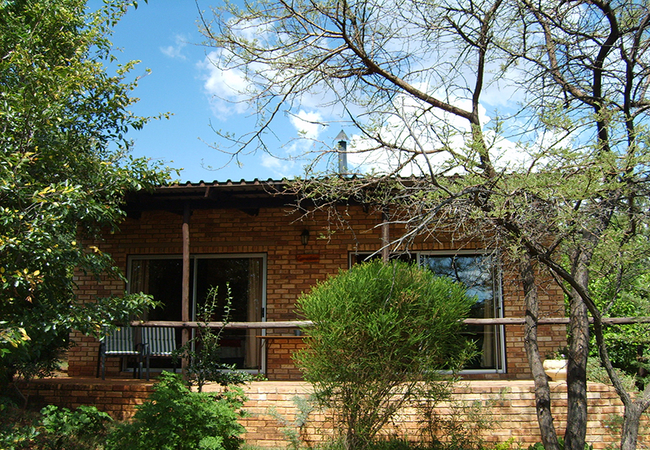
(229, 182)
(245, 195)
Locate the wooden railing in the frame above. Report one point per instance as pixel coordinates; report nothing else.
(307, 323)
(236, 325)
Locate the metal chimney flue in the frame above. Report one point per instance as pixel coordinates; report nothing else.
(342, 150)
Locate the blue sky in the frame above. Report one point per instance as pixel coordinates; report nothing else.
(164, 36)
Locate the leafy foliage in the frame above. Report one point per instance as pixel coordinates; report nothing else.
(462, 426)
(382, 333)
(294, 431)
(55, 428)
(64, 169)
(621, 290)
(83, 428)
(176, 418)
(540, 446)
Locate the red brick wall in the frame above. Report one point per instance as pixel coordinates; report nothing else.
(550, 337)
(280, 358)
(276, 233)
(510, 405)
(116, 397)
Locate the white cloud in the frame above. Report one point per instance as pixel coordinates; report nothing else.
(504, 93)
(175, 51)
(230, 88)
(435, 135)
(281, 168)
(414, 126)
(271, 162)
(226, 87)
(304, 134)
(308, 124)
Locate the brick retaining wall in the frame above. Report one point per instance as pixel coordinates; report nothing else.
(512, 407)
(512, 412)
(118, 397)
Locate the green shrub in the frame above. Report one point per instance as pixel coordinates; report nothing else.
(55, 429)
(85, 428)
(17, 426)
(597, 374)
(460, 427)
(175, 418)
(294, 430)
(382, 335)
(560, 441)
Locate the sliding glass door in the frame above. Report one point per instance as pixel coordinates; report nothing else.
(237, 279)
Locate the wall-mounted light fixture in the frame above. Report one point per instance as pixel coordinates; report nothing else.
(304, 237)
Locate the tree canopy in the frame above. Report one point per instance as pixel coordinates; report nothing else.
(64, 170)
(555, 173)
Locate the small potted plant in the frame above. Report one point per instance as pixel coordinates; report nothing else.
(555, 365)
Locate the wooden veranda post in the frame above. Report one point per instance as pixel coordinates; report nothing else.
(185, 291)
(385, 237)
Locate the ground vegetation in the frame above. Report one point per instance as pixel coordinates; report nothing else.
(175, 418)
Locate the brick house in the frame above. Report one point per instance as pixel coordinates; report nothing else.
(246, 235)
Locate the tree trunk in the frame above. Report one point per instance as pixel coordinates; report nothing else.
(542, 390)
(641, 373)
(576, 431)
(630, 430)
(633, 409)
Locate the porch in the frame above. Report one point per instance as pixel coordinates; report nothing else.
(509, 404)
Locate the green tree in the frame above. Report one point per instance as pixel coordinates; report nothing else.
(622, 291)
(64, 170)
(549, 178)
(381, 336)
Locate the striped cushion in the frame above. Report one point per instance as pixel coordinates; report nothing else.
(120, 342)
(160, 341)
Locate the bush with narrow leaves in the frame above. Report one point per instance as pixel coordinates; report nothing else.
(54, 428)
(382, 336)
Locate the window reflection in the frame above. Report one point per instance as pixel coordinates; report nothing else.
(480, 275)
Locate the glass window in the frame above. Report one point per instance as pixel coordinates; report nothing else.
(162, 278)
(480, 275)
